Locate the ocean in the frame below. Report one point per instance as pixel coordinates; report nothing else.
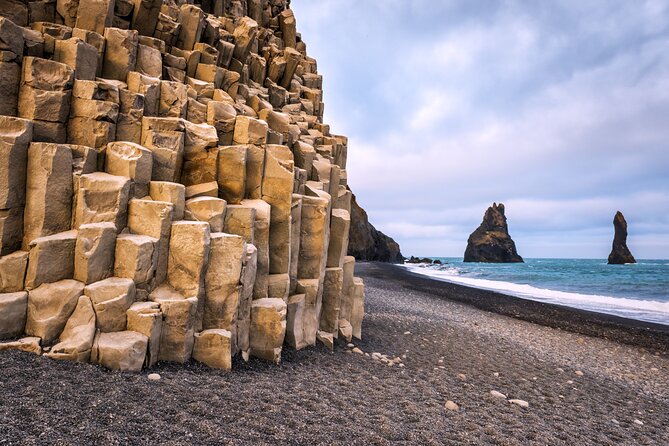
(637, 291)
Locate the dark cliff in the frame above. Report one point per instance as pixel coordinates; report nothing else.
(368, 243)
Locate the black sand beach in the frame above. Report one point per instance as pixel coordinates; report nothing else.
(452, 343)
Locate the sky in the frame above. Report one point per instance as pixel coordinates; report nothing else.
(558, 109)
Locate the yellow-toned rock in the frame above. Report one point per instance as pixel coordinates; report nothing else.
(13, 310)
(76, 340)
(268, 328)
(213, 348)
(50, 306)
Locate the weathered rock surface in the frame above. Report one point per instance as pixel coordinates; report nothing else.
(168, 189)
(368, 243)
(491, 241)
(620, 253)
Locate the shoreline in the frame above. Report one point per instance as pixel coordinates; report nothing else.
(585, 322)
(422, 347)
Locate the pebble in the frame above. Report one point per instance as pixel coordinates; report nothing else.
(570, 382)
(522, 403)
(496, 394)
(496, 374)
(638, 422)
(350, 345)
(560, 369)
(450, 405)
(154, 377)
(357, 350)
(407, 332)
(578, 373)
(462, 377)
(614, 421)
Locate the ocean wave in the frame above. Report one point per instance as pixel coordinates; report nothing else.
(644, 310)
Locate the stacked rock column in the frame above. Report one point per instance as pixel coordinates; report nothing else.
(168, 189)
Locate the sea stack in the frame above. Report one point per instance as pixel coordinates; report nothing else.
(620, 253)
(491, 242)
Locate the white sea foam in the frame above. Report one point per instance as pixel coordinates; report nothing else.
(644, 310)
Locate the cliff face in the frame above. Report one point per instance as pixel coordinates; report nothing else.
(368, 243)
(491, 241)
(168, 188)
(620, 253)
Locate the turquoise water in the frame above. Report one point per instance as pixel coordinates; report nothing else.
(639, 291)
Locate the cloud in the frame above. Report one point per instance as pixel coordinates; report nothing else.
(557, 109)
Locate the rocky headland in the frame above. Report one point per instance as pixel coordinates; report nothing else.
(491, 242)
(368, 243)
(620, 253)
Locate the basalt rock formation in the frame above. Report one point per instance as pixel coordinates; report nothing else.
(368, 243)
(168, 187)
(491, 242)
(620, 253)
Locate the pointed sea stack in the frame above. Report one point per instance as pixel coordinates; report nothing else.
(620, 253)
(491, 242)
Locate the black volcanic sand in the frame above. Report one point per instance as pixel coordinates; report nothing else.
(319, 397)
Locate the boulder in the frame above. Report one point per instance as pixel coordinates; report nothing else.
(135, 258)
(174, 193)
(27, 345)
(177, 332)
(50, 306)
(268, 328)
(13, 271)
(153, 219)
(206, 209)
(76, 340)
(111, 299)
(213, 348)
(124, 350)
(13, 310)
(51, 259)
(94, 252)
(491, 242)
(101, 197)
(146, 318)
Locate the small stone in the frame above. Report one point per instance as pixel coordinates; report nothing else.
(559, 369)
(578, 373)
(614, 421)
(357, 350)
(407, 332)
(496, 394)
(441, 361)
(570, 382)
(521, 403)
(462, 377)
(638, 422)
(350, 345)
(154, 377)
(496, 374)
(450, 405)
(400, 365)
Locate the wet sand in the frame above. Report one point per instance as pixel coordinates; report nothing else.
(449, 342)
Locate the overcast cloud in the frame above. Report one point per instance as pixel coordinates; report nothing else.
(560, 110)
